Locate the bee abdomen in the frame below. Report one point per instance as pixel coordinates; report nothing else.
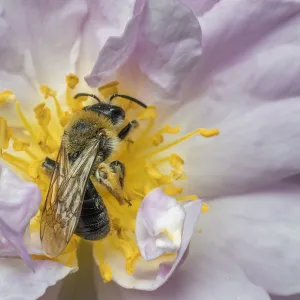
(94, 221)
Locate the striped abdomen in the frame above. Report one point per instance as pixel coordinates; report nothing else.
(94, 221)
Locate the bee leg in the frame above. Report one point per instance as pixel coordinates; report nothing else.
(119, 169)
(112, 177)
(49, 165)
(126, 130)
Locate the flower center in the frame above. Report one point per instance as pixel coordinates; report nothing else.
(148, 160)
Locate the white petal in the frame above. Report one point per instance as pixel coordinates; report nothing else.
(200, 7)
(19, 282)
(105, 19)
(246, 85)
(13, 71)
(159, 224)
(49, 30)
(164, 56)
(260, 231)
(206, 274)
(294, 297)
(256, 147)
(150, 275)
(19, 202)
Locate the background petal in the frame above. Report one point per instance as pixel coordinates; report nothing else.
(161, 54)
(159, 212)
(106, 19)
(151, 275)
(200, 7)
(19, 202)
(246, 85)
(230, 34)
(19, 282)
(255, 148)
(260, 232)
(50, 30)
(294, 297)
(13, 71)
(218, 280)
(206, 274)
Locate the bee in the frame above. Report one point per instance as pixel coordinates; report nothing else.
(73, 206)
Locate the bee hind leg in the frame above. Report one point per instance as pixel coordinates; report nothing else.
(112, 177)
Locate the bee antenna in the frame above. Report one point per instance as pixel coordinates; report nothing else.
(87, 94)
(128, 98)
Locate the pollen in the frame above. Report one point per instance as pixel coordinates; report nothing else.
(6, 96)
(149, 157)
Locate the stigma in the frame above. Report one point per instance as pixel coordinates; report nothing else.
(149, 160)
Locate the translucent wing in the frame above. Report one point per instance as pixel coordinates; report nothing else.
(64, 199)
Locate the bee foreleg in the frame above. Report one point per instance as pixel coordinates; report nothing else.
(126, 130)
(112, 177)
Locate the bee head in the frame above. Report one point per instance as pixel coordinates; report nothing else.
(113, 112)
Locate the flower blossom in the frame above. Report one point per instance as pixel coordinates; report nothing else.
(231, 65)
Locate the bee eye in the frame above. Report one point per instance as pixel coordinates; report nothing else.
(117, 111)
(117, 114)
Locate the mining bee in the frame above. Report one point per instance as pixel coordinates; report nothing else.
(72, 204)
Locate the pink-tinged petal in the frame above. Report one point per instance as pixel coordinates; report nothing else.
(164, 56)
(19, 202)
(106, 19)
(294, 297)
(53, 292)
(158, 216)
(246, 85)
(115, 53)
(150, 275)
(260, 232)
(50, 31)
(200, 7)
(245, 63)
(18, 282)
(206, 274)
(256, 147)
(236, 30)
(13, 73)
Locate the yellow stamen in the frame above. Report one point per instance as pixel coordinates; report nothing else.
(6, 96)
(75, 105)
(105, 270)
(72, 80)
(176, 161)
(43, 115)
(25, 122)
(4, 134)
(148, 113)
(19, 145)
(173, 190)
(31, 154)
(205, 207)
(153, 171)
(18, 162)
(168, 234)
(131, 254)
(158, 138)
(62, 116)
(188, 197)
(204, 132)
(47, 92)
(109, 89)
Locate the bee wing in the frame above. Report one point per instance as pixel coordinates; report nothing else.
(64, 199)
